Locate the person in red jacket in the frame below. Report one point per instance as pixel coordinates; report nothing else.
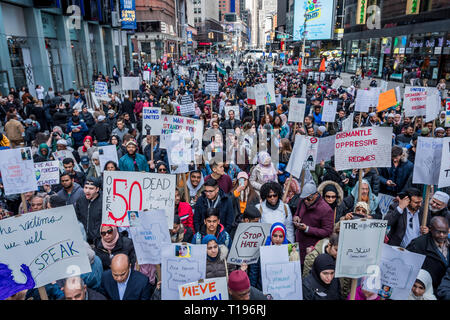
(184, 211)
(313, 219)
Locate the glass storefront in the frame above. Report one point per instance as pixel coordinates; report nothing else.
(15, 45)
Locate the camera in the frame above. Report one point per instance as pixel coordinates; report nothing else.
(54, 134)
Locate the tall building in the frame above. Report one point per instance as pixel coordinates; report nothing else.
(206, 19)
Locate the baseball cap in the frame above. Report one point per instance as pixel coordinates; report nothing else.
(101, 118)
(84, 160)
(92, 181)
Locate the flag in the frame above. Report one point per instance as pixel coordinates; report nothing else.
(299, 65)
(222, 71)
(322, 66)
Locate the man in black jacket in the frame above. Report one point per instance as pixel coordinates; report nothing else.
(435, 246)
(75, 289)
(128, 107)
(101, 131)
(87, 117)
(89, 209)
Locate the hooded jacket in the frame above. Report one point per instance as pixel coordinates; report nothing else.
(77, 193)
(314, 288)
(224, 205)
(398, 175)
(89, 213)
(123, 245)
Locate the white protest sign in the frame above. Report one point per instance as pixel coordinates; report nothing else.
(187, 105)
(130, 83)
(149, 231)
(270, 92)
(296, 109)
(248, 239)
(278, 99)
(325, 149)
(40, 247)
(337, 83)
(365, 99)
(427, 163)
(347, 124)
(107, 153)
(251, 96)
(208, 289)
(179, 152)
(398, 270)
(361, 148)
(146, 75)
(384, 203)
(63, 154)
(280, 278)
(433, 104)
(211, 84)
(311, 153)
(414, 102)
(101, 90)
(181, 264)
(444, 172)
(329, 111)
(298, 156)
(304, 90)
(261, 94)
(17, 169)
(151, 121)
(360, 244)
(236, 112)
(47, 173)
(124, 191)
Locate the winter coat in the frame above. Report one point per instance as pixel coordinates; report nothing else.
(183, 235)
(13, 130)
(186, 215)
(314, 290)
(126, 163)
(77, 136)
(77, 193)
(398, 175)
(319, 248)
(443, 291)
(88, 119)
(217, 268)
(225, 207)
(282, 215)
(221, 234)
(101, 131)
(89, 213)
(123, 245)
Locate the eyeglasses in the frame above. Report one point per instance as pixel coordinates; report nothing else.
(162, 170)
(272, 196)
(411, 222)
(209, 191)
(104, 233)
(330, 197)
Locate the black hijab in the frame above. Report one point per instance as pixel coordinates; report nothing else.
(323, 262)
(332, 188)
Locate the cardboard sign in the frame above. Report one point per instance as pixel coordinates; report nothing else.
(236, 112)
(211, 84)
(47, 173)
(101, 90)
(311, 153)
(297, 109)
(130, 83)
(208, 289)
(325, 149)
(361, 148)
(444, 171)
(179, 152)
(386, 100)
(360, 244)
(427, 163)
(151, 121)
(146, 75)
(124, 191)
(149, 231)
(298, 156)
(17, 169)
(385, 201)
(181, 264)
(187, 105)
(433, 104)
(107, 153)
(329, 111)
(414, 102)
(366, 99)
(248, 239)
(40, 247)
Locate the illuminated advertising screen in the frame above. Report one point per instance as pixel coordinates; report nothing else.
(319, 19)
(128, 14)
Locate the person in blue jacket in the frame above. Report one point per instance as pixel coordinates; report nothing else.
(133, 161)
(78, 130)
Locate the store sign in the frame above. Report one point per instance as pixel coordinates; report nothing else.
(412, 7)
(416, 44)
(361, 12)
(128, 14)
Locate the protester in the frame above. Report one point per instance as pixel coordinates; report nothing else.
(239, 287)
(71, 190)
(423, 287)
(75, 289)
(212, 226)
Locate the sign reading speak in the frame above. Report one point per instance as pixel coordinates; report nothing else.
(249, 237)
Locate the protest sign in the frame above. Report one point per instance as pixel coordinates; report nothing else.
(280, 278)
(151, 121)
(359, 247)
(384, 86)
(433, 104)
(365, 99)
(181, 264)
(179, 152)
(130, 83)
(146, 75)
(386, 100)
(347, 124)
(384, 203)
(329, 111)
(187, 105)
(278, 100)
(447, 113)
(236, 112)
(211, 84)
(398, 270)
(261, 94)
(208, 289)
(298, 156)
(251, 97)
(40, 247)
(270, 92)
(17, 169)
(296, 109)
(304, 90)
(311, 153)
(363, 148)
(427, 163)
(325, 150)
(107, 153)
(337, 83)
(124, 191)
(247, 240)
(414, 102)
(149, 231)
(63, 154)
(444, 172)
(101, 90)
(239, 75)
(47, 173)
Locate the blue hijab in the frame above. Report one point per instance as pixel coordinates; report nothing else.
(275, 227)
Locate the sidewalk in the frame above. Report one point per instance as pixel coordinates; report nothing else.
(366, 82)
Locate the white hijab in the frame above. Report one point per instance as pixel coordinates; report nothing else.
(193, 191)
(425, 278)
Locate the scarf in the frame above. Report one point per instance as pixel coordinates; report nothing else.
(323, 262)
(427, 282)
(98, 170)
(84, 147)
(110, 245)
(273, 207)
(43, 146)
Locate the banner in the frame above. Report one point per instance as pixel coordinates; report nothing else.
(39, 248)
(447, 113)
(359, 249)
(107, 153)
(101, 90)
(151, 121)
(361, 148)
(427, 163)
(130, 83)
(187, 105)
(444, 172)
(248, 239)
(47, 173)
(414, 102)
(149, 231)
(208, 289)
(146, 75)
(181, 264)
(296, 109)
(17, 169)
(325, 149)
(366, 99)
(128, 15)
(329, 111)
(211, 84)
(124, 191)
(298, 156)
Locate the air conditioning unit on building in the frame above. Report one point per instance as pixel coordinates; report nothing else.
(115, 19)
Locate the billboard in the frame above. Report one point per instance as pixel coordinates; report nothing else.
(128, 14)
(319, 19)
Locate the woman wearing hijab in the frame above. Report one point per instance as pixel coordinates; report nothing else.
(216, 257)
(362, 294)
(110, 243)
(42, 154)
(423, 287)
(87, 149)
(321, 284)
(332, 194)
(277, 235)
(263, 172)
(95, 169)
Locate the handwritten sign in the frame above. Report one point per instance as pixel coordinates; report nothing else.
(179, 152)
(211, 84)
(359, 247)
(325, 149)
(444, 171)
(248, 239)
(208, 289)
(151, 121)
(149, 231)
(47, 173)
(363, 148)
(385, 201)
(187, 105)
(177, 271)
(124, 191)
(40, 247)
(433, 104)
(329, 111)
(101, 90)
(298, 156)
(427, 163)
(130, 83)
(414, 102)
(297, 109)
(107, 153)
(17, 169)
(63, 154)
